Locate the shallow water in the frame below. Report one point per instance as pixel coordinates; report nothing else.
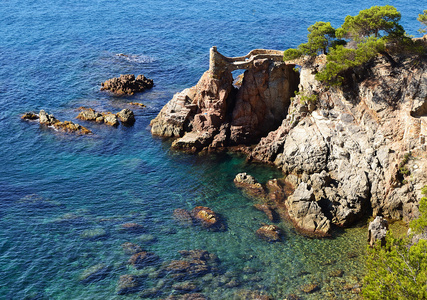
(55, 187)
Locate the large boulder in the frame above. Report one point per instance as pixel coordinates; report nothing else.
(377, 231)
(127, 84)
(126, 116)
(305, 212)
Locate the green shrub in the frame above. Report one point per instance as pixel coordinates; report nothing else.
(423, 19)
(399, 270)
(291, 54)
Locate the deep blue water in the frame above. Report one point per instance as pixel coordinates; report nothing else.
(53, 187)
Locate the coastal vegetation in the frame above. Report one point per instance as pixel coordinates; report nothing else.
(399, 270)
(359, 39)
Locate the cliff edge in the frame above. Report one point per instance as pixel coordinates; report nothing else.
(356, 149)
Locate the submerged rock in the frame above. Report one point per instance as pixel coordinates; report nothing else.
(130, 248)
(93, 233)
(183, 216)
(270, 233)
(142, 259)
(207, 218)
(128, 284)
(95, 273)
(127, 84)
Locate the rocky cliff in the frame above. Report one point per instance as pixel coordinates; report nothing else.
(216, 114)
(347, 151)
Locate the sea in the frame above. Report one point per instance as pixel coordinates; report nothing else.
(65, 197)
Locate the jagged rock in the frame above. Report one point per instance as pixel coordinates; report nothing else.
(30, 116)
(128, 284)
(306, 213)
(206, 115)
(207, 218)
(377, 231)
(49, 120)
(137, 104)
(94, 273)
(130, 248)
(89, 114)
(270, 233)
(127, 84)
(142, 259)
(111, 119)
(126, 116)
(262, 100)
(249, 184)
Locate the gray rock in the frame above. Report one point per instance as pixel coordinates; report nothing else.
(126, 116)
(377, 231)
(306, 213)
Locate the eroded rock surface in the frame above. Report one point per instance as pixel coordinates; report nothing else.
(127, 84)
(214, 114)
(50, 121)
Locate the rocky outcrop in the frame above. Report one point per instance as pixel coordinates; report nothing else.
(142, 259)
(366, 137)
(127, 84)
(94, 273)
(349, 150)
(126, 116)
(214, 114)
(50, 121)
(377, 231)
(128, 284)
(306, 213)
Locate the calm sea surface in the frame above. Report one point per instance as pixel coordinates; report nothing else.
(56, 188)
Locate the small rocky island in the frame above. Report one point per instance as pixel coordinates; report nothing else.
(127, 84)
(347, 151)
(49, 120)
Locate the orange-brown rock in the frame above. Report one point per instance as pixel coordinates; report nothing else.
(270, 233)
(51, 121)
(207, 218)
(127, 84)
(142, 259)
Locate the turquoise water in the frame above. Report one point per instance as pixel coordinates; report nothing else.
(55, 187)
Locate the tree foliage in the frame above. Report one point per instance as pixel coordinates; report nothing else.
(423, 19)
(321, 36)
(418, 225)
(340, 59)
(375, 21)
(399, 270)
(396, 271)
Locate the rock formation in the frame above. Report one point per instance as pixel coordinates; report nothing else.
(351, 150)
(377, 231)
(214, 114)
(126, 116)
(127, 84)
(50, 121)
